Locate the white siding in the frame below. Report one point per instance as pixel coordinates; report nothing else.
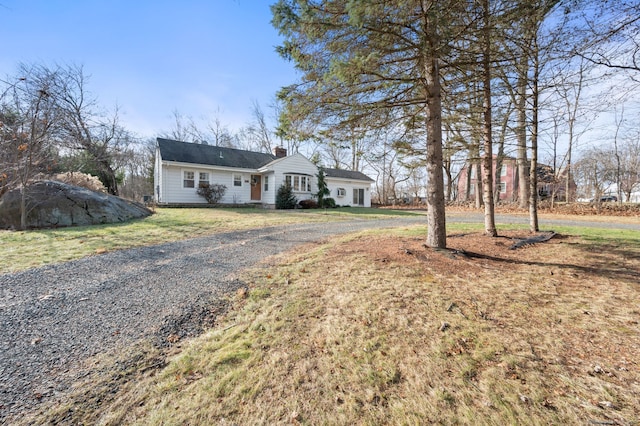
(157, 177)
(277, 170)
(269, 196)
(235, 194)
(172, 190)
(168, 182)
(349, 185)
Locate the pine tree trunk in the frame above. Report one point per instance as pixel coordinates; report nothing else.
(567, 183)
(499, 159)
(521, 159)
(533, 173)
(436, 225)
(477, 185)
(487, 175)
(467, 182)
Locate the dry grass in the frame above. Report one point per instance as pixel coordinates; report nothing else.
(376, 329)
(27, 249)
(575, 209)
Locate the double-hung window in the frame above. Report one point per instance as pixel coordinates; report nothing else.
(203, 178)
(266, 183)
(237, 179)
(188, 180)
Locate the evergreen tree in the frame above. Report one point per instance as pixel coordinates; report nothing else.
(285, 199)
(373, 65)
(323, 191)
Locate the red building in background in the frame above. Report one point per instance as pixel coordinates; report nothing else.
(506, 189)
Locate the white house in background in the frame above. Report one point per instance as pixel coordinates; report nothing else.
(250, 177)
(613, 190)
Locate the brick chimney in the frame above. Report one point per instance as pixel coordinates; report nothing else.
(279, 152)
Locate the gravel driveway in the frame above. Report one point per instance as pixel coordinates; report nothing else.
(54, 317)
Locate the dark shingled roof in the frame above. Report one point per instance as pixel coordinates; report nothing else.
(184, 152)
(346, 174)
(195, 153)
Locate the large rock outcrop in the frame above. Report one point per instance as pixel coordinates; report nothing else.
(53, 204)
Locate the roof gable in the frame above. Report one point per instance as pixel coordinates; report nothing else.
(193, 153)
(290, 158)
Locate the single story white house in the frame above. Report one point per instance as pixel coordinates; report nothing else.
(250, 177)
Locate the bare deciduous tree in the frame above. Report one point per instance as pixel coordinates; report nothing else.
(258, 132)
(28, 124)
(630, 165)
(594, 172)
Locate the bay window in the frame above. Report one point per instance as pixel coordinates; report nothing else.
(299, 183)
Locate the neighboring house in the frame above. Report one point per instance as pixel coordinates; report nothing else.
(612, 189)
(507, 188)
(250, 177)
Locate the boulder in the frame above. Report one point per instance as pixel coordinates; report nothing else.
(53, 204)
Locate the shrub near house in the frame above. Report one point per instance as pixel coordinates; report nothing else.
(211, 192)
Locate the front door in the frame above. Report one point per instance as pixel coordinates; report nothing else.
(256, 188)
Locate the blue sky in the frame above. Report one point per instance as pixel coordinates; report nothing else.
(199, 57)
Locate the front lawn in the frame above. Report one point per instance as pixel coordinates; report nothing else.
(26, 249)
(374, 328)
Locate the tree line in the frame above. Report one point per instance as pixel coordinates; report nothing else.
(51, 124)
(407, 90)
(428, 83)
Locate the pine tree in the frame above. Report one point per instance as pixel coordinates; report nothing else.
(370, 65)
(323, 191)
(285, 199)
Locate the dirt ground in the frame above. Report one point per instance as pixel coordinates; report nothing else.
(463, 249)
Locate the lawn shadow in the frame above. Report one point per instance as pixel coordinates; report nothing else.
(610, 261)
